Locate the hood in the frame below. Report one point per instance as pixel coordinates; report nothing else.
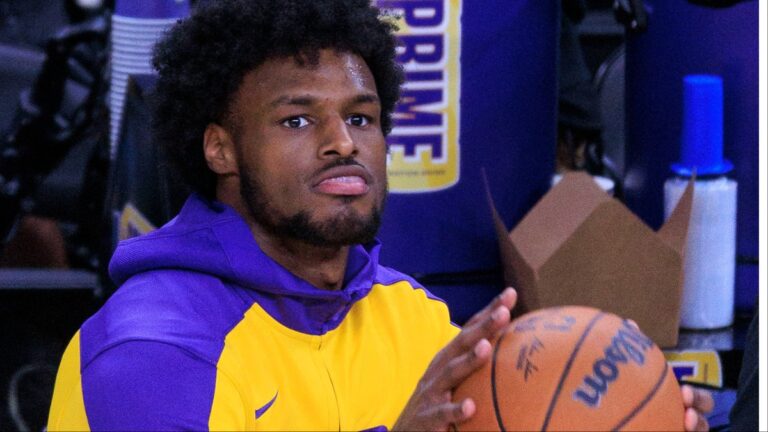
(211, 238)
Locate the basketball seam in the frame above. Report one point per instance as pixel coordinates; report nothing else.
(645, 401)
(567, 369)
(493, 384)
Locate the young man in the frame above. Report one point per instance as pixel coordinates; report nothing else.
(262, 304)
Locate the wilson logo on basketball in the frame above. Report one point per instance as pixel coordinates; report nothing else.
(629, 345)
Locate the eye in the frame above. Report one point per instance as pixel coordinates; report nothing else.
(358, 120)
(295, 122)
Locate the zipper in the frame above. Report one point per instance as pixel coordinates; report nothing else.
(333, 387)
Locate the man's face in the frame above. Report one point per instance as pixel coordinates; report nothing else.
(311, 153)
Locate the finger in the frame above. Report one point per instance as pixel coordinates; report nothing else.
(687, 392)
(488, 327)
(694, 421)
(507, 298)
(471, 335)
(703, 401)
(459, 368)
(449, 413)
(484, 325)
(698, 399)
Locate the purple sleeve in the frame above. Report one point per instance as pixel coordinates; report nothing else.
(142, 385)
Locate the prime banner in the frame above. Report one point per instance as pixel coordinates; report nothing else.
(424, 145)
(480, 95)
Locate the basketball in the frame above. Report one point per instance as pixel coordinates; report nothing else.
(573, 368)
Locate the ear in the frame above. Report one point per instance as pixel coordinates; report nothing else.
(219, 150)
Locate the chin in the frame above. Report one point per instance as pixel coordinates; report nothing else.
(341, 230)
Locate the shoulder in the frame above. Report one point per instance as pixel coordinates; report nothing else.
(400, 285)
(148, 359)
(191, 311)
(147, 385)
(410, 301)
(404, 315)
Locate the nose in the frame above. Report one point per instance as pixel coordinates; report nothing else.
(336, 140)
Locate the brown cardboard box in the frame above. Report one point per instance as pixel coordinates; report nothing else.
(579, 246)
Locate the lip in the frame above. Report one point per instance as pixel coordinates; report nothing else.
(346, 184)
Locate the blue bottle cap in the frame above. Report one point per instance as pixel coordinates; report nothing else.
(152, 9)
(702, 139)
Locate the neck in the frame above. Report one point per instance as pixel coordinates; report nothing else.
(323, 267)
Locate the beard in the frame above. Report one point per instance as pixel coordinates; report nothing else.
(345, 228)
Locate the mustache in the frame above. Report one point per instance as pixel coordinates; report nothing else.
(339, 162)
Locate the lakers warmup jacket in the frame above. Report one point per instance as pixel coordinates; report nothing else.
(207, 332)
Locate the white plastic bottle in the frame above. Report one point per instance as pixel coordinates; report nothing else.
(710, 254)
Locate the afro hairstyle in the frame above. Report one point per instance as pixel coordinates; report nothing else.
(203, 59)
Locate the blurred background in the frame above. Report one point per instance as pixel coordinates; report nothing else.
(579, 85)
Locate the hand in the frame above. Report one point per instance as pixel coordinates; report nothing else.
(697, 402)
(430, 406)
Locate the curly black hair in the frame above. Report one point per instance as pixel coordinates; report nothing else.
(202, 61)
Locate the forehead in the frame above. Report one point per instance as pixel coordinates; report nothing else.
(335, 74)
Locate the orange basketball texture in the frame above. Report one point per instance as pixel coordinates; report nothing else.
(573, 368)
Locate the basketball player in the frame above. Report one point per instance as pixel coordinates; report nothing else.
(262, 305)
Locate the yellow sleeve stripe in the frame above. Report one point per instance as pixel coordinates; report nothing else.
(67, 407)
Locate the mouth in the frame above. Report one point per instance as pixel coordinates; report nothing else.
(346, 180)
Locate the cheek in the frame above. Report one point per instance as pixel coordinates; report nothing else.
(379, 164)
(374, 150)
(381, 171)
(267, 177)
(273, 164)
(281, 179)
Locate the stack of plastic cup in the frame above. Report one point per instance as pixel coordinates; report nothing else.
(136, 27)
